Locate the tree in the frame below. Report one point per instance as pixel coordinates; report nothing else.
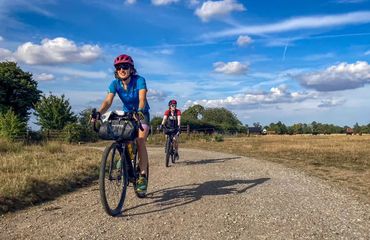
(193, 113)
(18, 91)
(54, 113)
(221, 116)
(11, 126)
(156, 121)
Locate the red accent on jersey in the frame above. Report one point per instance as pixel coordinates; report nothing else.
(168, 112)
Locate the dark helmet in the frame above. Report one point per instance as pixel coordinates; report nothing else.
(172, 102)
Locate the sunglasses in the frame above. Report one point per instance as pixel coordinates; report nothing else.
(123, 66)
(172, 105)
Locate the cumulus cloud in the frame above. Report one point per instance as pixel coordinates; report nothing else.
(216, 9)
(6, 55)
(276, 95)
(57, 50)
(232, 68)
(156, 95)
(243, 40)
(44, 77)
(163, 2)
(327, 103)
(338, 77)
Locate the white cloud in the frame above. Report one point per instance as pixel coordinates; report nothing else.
(233, 68)
(367, 52)
(163, 2)
(327, 103)
(57, 50)
(156, 95)
(338, 77)
(243, 40)
(44, 77)
(74, 73)
(6, 55)
(276, 95)
(217, 9)
(130, 1)
(298, 23)
(1, 38)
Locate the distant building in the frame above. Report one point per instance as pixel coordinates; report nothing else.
(254, 130)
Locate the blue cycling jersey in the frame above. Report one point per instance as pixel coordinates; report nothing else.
(129, 97)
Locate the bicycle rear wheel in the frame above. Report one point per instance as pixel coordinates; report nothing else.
(113, 179)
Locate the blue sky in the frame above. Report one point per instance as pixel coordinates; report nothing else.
(267, 61)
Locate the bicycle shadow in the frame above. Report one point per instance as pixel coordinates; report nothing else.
(185, 194)
(206, 161)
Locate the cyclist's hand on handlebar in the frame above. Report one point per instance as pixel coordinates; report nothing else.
(140, 115)
(95, 115)
(160, 127)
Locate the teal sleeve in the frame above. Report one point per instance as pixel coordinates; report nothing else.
(141, 83)
(112, 88)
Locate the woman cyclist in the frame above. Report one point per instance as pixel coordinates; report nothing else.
(131, 89)
(172, 119)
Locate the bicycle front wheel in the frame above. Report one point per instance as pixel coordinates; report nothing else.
(168, 151)
(113, 179)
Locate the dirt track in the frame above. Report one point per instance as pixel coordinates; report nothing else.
(206, 195)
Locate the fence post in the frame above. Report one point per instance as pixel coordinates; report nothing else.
(27, 136)
(188, 129)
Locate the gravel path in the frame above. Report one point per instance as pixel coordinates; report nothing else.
(206, 195)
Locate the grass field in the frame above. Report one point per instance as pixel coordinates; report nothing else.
(337, 158)
(31, 174)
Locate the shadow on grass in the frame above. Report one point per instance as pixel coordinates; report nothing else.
(182, 195)
(40, 191)
(206, 161)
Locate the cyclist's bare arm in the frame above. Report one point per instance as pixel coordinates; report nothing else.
(106, 103)
(164, 119)
(179, 121)
(142, 98)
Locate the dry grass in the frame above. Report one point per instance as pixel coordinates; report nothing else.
(337, 158)
(31, 174)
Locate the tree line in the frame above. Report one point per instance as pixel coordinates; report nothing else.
(19, 96)
(316, 128)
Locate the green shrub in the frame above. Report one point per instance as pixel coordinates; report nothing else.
(75, 132)
(11, 126)
(219, 138)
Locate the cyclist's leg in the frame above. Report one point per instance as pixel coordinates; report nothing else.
(176, 145)
(141, 144)
(176, 142)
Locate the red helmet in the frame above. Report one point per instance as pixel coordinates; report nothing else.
(123, 58)
(172, 102)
